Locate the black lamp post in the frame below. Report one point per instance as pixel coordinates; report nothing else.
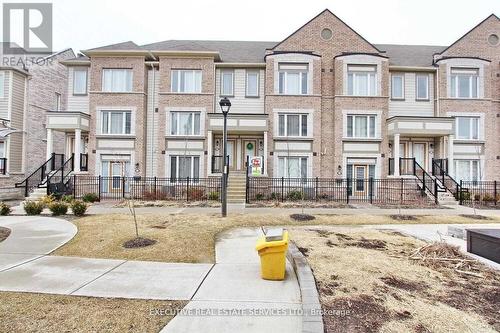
(225, 105)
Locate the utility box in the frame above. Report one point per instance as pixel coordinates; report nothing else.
(272, 249)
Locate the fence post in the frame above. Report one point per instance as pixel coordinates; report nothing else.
(495, 193)
(74, 186)
(370, 189)
(154, 186)
(423, 184)
(48, 186)
(123, 187)
(460, 195)
(282, 187)
(317, 183)
(347, 189)
(99, 181)
(401, 190)
(187, 189)
(436, 191)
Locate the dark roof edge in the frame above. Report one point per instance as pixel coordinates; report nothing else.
(344, 54)
(476, 58)
(338, 18)
(292, 52)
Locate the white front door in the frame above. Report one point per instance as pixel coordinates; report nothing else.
(419, 154)
(249, 149)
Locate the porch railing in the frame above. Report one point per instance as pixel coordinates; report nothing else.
(406, 166)
(39, 176)
(3, 166)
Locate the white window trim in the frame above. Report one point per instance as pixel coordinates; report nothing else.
(369, 87)
(99, 111)
(454, 77)
(402, 76)
(481, 129)
(58, 101)
(2, 88)
(178, 123)
(480, 166)
(86, 81)
(178, 71)
(298, 58)
(222, 72)
(286, 115)
(378, 123)
(427, 92)
(301, 73)
(119, 154)
(309, 157)
(470, 136)
(361, 156)
(118, 69)
(191, 153)
(168, 113)
(247, 72)
(310, 122)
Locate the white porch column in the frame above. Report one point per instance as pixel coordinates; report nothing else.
(210, 140)
(77, 149)
(451, 163)
(395, 149)
(50, 148)
(264, 158)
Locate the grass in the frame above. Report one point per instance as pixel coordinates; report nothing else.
(4, 233)
(27, 312)
(368, 275)
(191, 238)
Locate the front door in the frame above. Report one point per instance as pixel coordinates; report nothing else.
(360, 175)
(231, 147)
(250, 150)
(419, 154)
(117, 170)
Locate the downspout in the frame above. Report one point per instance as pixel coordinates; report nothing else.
(153, 117)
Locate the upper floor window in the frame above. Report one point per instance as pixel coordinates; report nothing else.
(116, 122)
(292, 125)
(464, 82)
(293, 78)
(185, 123)
(186, 80)
(467, 128)
(292, 167)
(80, 81)
(2, 84)
(227, 83)
(117, 80)
(252, 84)
(397, 86)
(362, 80)
(360, 126)
(57, 102)
(422, 87)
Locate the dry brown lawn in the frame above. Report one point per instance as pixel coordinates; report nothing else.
(26, 312)
(368, 282)
(191, 238)
(4, 233)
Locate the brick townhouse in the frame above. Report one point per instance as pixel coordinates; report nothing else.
(323, 102)
(27, 94)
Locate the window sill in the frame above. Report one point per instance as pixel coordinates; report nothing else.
(466, 98)
(170, 136)
(422, 100)
(468, 141)
(356, 96)
(398, 99)
(115, 136)
(362, 139)
(285, 138)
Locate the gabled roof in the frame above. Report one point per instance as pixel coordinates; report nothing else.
(124, 46)
(410, 55)
(230, 51)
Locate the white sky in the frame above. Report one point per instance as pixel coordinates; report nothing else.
(83, 24)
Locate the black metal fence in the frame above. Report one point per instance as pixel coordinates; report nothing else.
(146, 188)
(481, 193)
(386, 191)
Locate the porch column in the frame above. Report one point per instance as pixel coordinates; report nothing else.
(77, 149)
(209, 152)
(50, 148)
(264, 158)
(451, 163)
(395, 149)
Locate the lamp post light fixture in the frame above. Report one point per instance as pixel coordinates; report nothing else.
(225, 105)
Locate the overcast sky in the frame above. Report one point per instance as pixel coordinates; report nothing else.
(83, 24)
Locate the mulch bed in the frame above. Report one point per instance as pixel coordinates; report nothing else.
(4, 233)
(401, 217)
(476, 217)
(138, 242)
(302, 217)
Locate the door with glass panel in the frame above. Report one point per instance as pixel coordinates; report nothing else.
(419, 154)
(250, 150)
(231, 148)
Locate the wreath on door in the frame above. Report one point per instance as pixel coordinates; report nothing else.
(250, 146)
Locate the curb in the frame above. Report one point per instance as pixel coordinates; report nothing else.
(312, 320)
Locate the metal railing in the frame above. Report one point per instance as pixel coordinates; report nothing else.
(481, 193)
(406, 166)
(147, 188)
(3, 166)
(346, 190)
(57, 182)
(447, 183)
(439, 165)
(39, 176)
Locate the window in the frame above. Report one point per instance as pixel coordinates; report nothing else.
(293, 79)
(185, 123)
(117, 80)
(292, 125)
(467, 170)
(467, 128)
(422, 83)
(464, 82)
(57, 102)
(116, 122)
(292, 167)
(79, 81)
(184, 166)
(227, 83)
(360, 126)
(186, 81)
(362, 80)
(2, 149)
(2, 84)
(252, 89)
(397, 86)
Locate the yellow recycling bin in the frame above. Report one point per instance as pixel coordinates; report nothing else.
(272, 256)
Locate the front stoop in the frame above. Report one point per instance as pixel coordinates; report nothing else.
(236, 189)
(312, 320)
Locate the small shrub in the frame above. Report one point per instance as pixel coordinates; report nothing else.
(196, 194)
(58, 208)
(47, 200)
(465, 196)
(78, 207)
(213, 196)
(149, 196)
(323, 196)
(33, 207)
(477, 197)
(488, 197)
(295, 195)
(498, 197)
(90, 197)
(274, 196)
(259, 196)
(67, 198)
(4, 209)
